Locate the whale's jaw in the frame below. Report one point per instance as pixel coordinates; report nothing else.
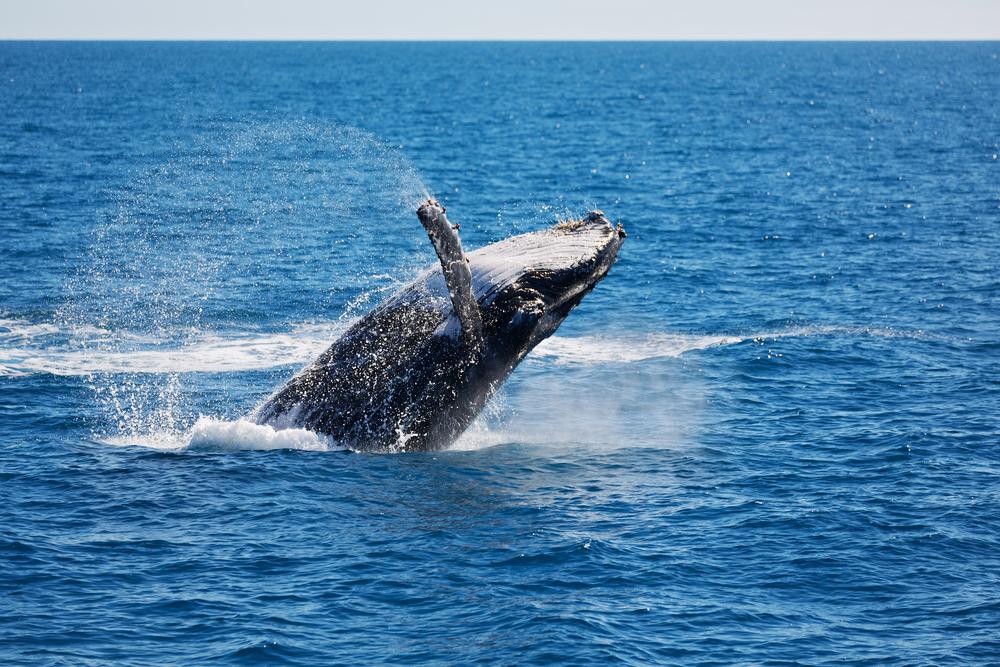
(404, 378)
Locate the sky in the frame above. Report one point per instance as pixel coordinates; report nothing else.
(501, 19)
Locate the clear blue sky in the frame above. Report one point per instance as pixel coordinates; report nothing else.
(500, 19)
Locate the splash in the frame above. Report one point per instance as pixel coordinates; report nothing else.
(214, 435)
(602, 396)
(237, 215)
(217, 434)
(195, 265)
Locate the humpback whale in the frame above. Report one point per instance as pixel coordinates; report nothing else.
(417, 370)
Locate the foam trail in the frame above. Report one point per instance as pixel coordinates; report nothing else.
(622, 349)
(626, 348)
(49, 349)
(162, 440)
(91, 351)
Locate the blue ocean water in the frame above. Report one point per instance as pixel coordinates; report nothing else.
(770, 436)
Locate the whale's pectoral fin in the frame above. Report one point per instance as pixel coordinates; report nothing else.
(456, 270)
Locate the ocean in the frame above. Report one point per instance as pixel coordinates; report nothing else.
(769, 437)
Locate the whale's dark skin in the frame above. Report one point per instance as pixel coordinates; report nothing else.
(409, 376)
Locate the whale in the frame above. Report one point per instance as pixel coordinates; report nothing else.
(414, 373)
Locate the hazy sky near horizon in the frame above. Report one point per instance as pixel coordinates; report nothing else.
(508, 20)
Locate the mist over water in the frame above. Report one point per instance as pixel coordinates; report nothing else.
(208, 239)
(768, 436)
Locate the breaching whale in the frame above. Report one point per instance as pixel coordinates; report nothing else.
(417, 370)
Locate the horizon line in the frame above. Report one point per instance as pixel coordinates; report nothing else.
(510, 40)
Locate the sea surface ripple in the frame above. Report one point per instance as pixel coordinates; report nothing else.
(770, 436)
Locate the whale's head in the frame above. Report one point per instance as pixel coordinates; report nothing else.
(526, 285)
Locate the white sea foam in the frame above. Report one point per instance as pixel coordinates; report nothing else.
(11, 330)
(31, 349)
(211, 433)
(156, 439)
(47, 348)
(623, 349)
(27, 348)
